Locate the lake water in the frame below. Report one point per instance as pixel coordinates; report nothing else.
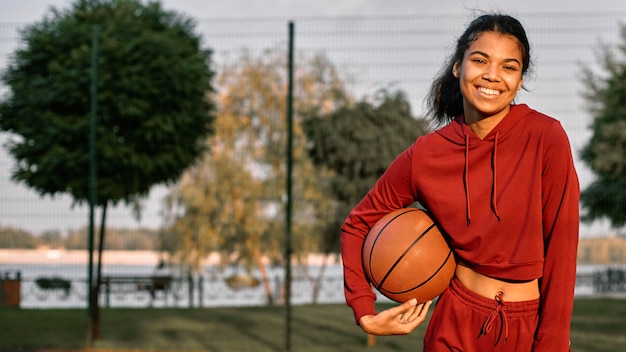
(206, 290)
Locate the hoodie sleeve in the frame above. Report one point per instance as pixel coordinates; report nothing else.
(561, 194)
(391, 191)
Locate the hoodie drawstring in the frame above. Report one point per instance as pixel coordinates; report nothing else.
(468, 213)
(498, 312)
(494, 190)
(494, 202)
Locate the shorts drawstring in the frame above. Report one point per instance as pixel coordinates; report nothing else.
(497, 312)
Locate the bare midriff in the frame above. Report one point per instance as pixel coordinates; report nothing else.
(512, 291)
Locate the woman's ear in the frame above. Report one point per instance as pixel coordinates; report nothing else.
(455, 70)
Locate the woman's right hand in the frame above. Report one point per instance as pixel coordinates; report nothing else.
(400, 320)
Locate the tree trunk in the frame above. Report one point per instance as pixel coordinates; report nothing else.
(317, 282)
(96, 306)
(265, 279)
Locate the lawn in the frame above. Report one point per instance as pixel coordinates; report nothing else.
(598, 325)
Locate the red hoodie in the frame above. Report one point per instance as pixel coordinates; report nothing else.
(509, 204)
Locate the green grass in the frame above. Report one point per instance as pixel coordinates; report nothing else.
(597, 325)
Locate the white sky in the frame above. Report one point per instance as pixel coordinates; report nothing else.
(24, 11)
(31, 10)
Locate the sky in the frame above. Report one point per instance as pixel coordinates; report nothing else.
(25, 11)
(30, 10)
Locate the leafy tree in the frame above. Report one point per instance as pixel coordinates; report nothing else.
(52, 239)
(231, 203)
(605, 153)
(117, 239)
(76, 239)
(358, 142)
(153, 110)
(16, 238)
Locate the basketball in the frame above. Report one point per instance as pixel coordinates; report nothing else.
(405, 256)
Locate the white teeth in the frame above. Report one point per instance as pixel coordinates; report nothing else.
(489, 91)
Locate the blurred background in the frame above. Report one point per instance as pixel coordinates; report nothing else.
(213, 234)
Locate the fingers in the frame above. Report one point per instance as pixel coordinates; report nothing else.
(399, 320)
(424, 308)
(411, 318)
(408, 314)
(417, 313)
(412, 303)
(404, 310)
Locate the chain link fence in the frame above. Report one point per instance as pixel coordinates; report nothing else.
(371, 53)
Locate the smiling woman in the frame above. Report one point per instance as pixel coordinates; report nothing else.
(490, 75)
(499, 179)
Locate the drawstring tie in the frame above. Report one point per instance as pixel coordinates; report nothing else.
(494, 190)
(497, 312)
(466, 182)
(494, 202)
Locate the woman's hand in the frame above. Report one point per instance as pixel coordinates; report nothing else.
(400, 320)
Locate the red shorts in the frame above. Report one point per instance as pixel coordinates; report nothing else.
(465, 321)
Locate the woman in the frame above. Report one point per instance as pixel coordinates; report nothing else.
(500, 180)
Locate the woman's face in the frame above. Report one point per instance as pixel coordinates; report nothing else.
(489, 75)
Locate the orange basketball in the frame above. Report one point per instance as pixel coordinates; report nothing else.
(405, 256)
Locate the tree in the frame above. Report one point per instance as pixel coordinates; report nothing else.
(16, 238)
(605, 153)
(231, 202)
(52, 239)
(358, 142)
(154, 112)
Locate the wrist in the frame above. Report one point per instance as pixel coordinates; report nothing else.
(365, 323)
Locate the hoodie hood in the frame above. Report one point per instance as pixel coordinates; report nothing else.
(458, 132)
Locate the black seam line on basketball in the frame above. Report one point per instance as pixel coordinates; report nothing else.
(427, 280)
(378, 285)
(404, 254)
(376, 240)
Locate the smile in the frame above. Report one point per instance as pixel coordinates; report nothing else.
(489, 91)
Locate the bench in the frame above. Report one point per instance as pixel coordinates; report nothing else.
(133, 284)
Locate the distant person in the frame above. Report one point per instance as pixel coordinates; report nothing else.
(500, 180)
(161, 279)
(162, 269)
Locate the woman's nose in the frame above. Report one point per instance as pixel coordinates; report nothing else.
(491, 74)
